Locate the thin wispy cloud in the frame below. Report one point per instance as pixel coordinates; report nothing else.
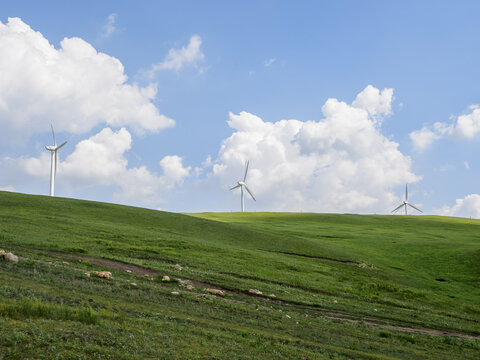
(269, 62)
(109, 27)
(176, 59)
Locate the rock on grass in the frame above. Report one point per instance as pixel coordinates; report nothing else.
(216, 292)
(9, 257)
(103, 274)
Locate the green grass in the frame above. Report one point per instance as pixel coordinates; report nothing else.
(345, 286)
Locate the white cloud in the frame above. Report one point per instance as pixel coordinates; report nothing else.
(109, 27)
(423, 138)
(178, 58)
(269, 62)
(7, 188)
(100, 161)
(446, 168)
(377, 103)
(173, 171)
(341, 163)
(75, 87)
(469, 206)
(467, 165)
(466, 126)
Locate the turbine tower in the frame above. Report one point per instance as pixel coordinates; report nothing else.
(406, 203)
(54, 156)
(242, 184)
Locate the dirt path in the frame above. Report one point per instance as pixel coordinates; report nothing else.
(316, 257)
(110, 264)
(118, 265)
(406, 329)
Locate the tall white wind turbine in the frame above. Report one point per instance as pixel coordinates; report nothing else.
(54, 156)
(242, 184)
(406, 203)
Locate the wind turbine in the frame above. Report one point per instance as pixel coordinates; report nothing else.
(406, 203)
(54, 156)
(241, 185)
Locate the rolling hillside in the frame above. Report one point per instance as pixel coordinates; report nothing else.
(242, 286)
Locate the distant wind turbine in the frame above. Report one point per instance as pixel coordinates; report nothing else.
(406, 203)
(53, 169)
(242, 184)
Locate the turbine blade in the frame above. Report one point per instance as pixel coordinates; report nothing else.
(53, 133)
(246, 170)
(415, 208)
(61, 145)
(396, 209)
(406, 192)
(253, 197)
(235, 187)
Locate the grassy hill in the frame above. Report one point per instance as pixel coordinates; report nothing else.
(332, 286)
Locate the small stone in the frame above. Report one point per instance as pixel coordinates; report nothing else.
(64, 262)
(11, 258)
(177, 267)
(190, 287)
(375, 310)
(128, 271)
(272, 295)
(146, 275)
(335, 301)
(288, 316)
(216, 292)
(133, 284)
(103, 274)
(175, 293)
(255, 291)
(166, 278)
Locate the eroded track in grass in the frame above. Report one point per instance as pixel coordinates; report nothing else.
(328, 314)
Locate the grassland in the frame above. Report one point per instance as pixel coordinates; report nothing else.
(333, 286)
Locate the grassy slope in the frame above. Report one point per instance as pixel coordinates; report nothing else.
(50, 309)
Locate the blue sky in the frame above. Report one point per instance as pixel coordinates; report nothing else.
(255, 63)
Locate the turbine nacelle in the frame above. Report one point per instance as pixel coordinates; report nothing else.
(54, 162)
(241, 184)
(405, 204)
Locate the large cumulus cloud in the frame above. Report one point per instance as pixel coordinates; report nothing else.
(74, 86)
(342, 163)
